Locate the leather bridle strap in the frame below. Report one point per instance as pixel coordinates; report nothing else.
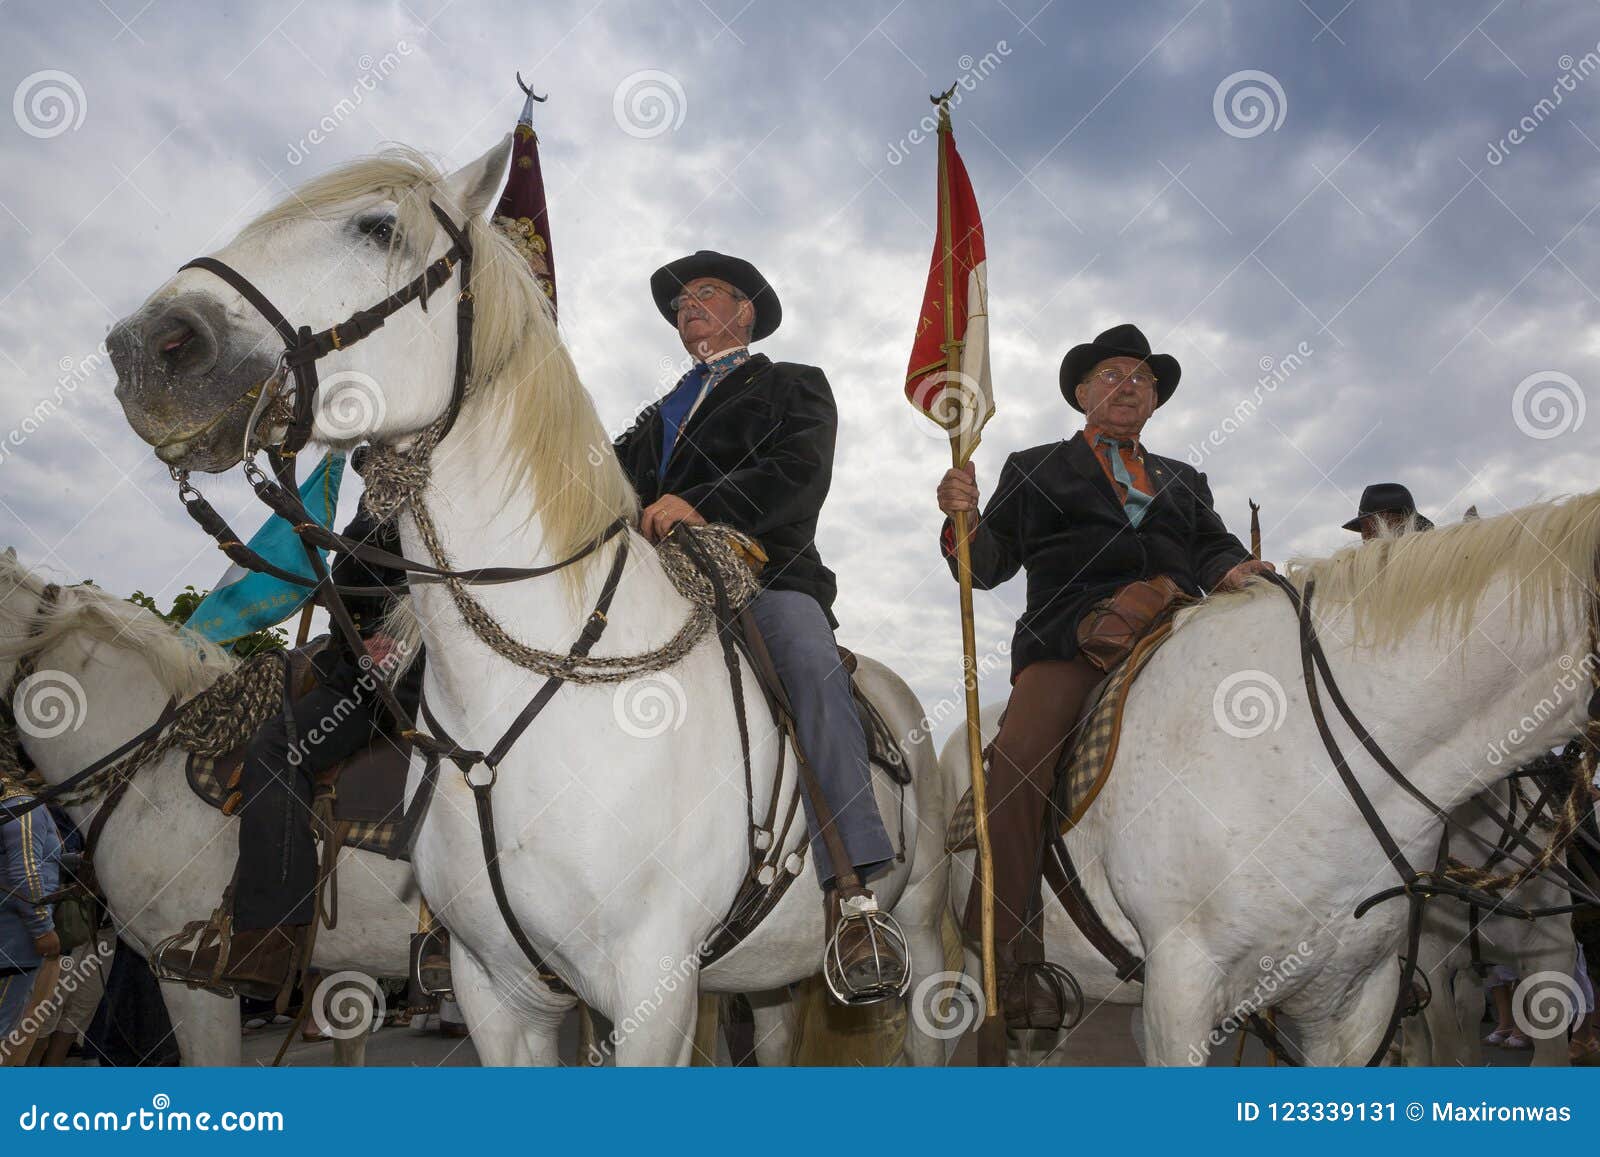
(303, 348)
(468, 759)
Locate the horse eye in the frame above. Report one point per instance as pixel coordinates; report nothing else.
(380, 229)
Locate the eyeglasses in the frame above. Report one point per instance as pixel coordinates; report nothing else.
(1112, 377)
(704, 293)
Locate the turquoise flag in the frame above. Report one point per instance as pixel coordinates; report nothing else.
(244, 601)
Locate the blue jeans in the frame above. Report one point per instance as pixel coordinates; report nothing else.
(807, 659)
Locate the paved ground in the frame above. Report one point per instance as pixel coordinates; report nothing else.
(1106, 1037)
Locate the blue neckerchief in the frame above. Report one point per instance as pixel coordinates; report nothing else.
(1137, 501)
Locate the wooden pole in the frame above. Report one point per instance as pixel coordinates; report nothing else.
(959, 456)
(301, 635)
(1255, 529)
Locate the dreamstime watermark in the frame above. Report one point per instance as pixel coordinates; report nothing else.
(73, 373)
(956, 404)
(954, 703)
(648, 103)
(50, 703)
(1249, 703)
(1248, 103)
(346, 1004)
(1576, 681)
(1274, 975)
(372, 670)
(1545, 1004)
(349, 406)
(48, 103)
(649, 707)
(372, 71)
(1274, 372)
(75, 973)
(160, 1117)
(1548, 404)
(947, 1005)
(1572, 73)
(674, 975)
(973, 71)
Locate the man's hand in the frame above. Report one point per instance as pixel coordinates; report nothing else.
(657, 520)
(1236, 577)
(47, 945)
(958, 489)
(379, 647)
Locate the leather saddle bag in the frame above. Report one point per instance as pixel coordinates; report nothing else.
(1109, 629)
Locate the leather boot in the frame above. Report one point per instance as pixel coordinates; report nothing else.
(1034, 994)
(866, 958)
(259, 960)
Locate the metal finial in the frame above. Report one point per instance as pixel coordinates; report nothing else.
(541, 99)
(946, 95)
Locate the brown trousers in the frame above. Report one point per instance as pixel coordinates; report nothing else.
(1045, 701)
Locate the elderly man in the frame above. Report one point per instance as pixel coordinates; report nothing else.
(1084, 517)
(746, 441)
(1387, 509)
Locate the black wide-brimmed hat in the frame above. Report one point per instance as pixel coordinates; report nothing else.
(1120, 341)
(668, 281)
(1387, 498)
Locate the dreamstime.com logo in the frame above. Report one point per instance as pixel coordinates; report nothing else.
(50, 703)
(649, 103)
(1248, 103)
(947, 1004)
(48, 103)
(650, 707)
(1545, 1004)
(160, 1117)
(1548, 404)
(1249, 703)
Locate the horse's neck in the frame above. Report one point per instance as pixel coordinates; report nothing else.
(1457, 715)
(121, 697)
(478, 526)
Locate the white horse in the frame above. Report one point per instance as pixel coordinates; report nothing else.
(103, 670)
(1224, 849)
(1447, 1032)
(622, 838)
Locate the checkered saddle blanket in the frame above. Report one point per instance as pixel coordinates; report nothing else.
(1086, 763)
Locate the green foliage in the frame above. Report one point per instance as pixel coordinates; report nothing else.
(184, 604)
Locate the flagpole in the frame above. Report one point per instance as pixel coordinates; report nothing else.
(959, 456)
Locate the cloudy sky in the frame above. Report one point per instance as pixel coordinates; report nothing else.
(1401, 195)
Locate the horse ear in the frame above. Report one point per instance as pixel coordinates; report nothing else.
(471, 188)
(11, 554)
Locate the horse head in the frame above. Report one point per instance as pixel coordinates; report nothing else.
(193, 360)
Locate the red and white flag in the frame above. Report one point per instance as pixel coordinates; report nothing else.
(954, 391)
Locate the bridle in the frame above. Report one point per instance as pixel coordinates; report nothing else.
(303, 349)
(1417, 887)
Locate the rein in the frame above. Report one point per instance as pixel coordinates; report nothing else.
(1417, 886)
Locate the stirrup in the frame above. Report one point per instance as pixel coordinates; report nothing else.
(888, 945)
(173, 959)
(430, 980)
(1061, 985)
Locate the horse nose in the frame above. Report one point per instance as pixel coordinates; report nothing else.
(177, 339)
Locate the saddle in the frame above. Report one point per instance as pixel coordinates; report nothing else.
(362, 798)
(1086, 759)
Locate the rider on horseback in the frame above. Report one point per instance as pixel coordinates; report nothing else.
(746, 441)
(276, 882)
(1085, 518)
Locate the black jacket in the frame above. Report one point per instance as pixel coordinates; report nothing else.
(757, 455)
(1055, 514)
